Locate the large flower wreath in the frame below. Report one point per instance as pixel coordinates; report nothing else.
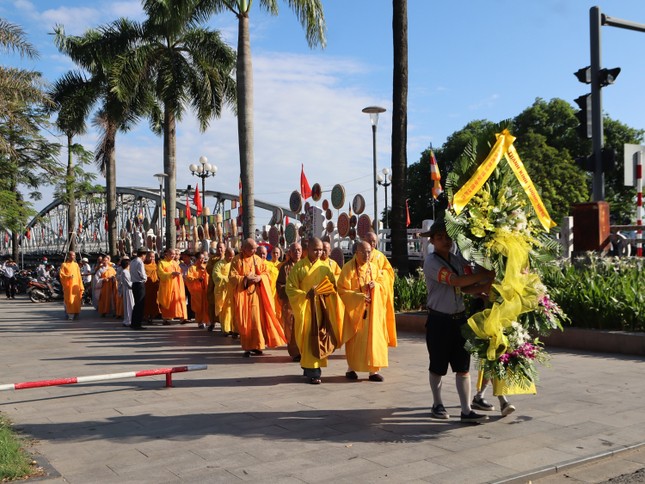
(501, 224)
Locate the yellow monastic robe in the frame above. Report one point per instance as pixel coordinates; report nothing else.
(223, 296)
(172, 294)
(197, 282)
(303, 277)
(365, 331)
(151, 308)
(254, 311)
(333, 265)
(385, 270)
(108, 291)
(70, 279)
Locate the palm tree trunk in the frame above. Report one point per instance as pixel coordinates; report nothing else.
(110, 181)
(170, 168)
(71, 201)
(399, 135)
(245, 124)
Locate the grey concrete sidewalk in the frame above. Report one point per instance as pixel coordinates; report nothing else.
(255, 419)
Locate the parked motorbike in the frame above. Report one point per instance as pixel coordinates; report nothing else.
(43, 291)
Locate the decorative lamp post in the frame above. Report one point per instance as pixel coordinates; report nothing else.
(385, 180)
(161, 177)
(203, 170)
(374, 111)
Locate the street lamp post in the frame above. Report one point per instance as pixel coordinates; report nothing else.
(385, 180)
(203, 170)
(374, 111)
(160, 178)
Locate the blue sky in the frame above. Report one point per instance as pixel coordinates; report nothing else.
(468, 59)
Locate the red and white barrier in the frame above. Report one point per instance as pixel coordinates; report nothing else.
(109, 376)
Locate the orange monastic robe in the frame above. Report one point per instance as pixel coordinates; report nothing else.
(172, 294)
(366, 334)
(70, 279)
(108, 291)
(254, 312)
(197, 282)
(151, 308)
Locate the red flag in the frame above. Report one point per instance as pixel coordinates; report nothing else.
(187, 207)
(198, 201)
(240, 210)
(407, 213)
(286, 220)
(435, 176)
(305, 189)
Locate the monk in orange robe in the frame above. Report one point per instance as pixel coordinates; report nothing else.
(151, 309)
(366, 333)
(197, 281)
(172, 294)
(70, 279)
(107, 282)
(254, 311)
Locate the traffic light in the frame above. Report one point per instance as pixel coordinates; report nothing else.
(584, 75)
(608, 76)
(585, 163)
(584, 116)
(608, 157)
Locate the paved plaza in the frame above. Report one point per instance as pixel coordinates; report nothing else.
(255, 419)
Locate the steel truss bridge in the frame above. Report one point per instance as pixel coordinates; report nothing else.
(137, 220)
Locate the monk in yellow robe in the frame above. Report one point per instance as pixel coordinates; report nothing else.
(107, 283)
(222, 295)
(151, 308)
(366, 335)
(385, 271)
(254, 304)
(215, 254)
(272, 269)
(333, 265)
(172, 294)
(318, 313)
(72, 282)
(197, 282)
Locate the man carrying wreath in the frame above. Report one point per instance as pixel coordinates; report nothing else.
(447, 281)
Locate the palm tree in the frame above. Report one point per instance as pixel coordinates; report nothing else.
(310, 15)
(73, 98)
(399, 135)
(95, 51)
(184, 64)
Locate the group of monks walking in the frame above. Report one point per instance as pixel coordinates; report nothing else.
(306, 301)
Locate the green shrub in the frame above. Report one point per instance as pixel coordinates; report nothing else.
(410, 292)
(14, 461)
(599, 292)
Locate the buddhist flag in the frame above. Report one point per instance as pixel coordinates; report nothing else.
(435, 176)
(187, 207)
(407, 213)
(305, 189)
(198, 201)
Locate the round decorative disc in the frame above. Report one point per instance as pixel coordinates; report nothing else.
(328, 214)
(279, 216)
(301, 231)
(316, 192)
(274, 235)
(307, 207)
(358, 204)
(330, 227)
(290, 233)
(338, 196)
(325, 204)
(364, 225)
(352, 233)
(295, 201)
(353, 220)
(343, 224)
(337, 255)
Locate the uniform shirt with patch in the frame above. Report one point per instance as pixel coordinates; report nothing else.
(442, 296)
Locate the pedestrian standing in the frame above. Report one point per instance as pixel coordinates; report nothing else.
(138, 277)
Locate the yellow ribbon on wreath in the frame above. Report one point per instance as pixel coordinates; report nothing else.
(503, 147)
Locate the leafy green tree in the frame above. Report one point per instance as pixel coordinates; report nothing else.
(95, 52)
(181, 64)
(310, 15)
